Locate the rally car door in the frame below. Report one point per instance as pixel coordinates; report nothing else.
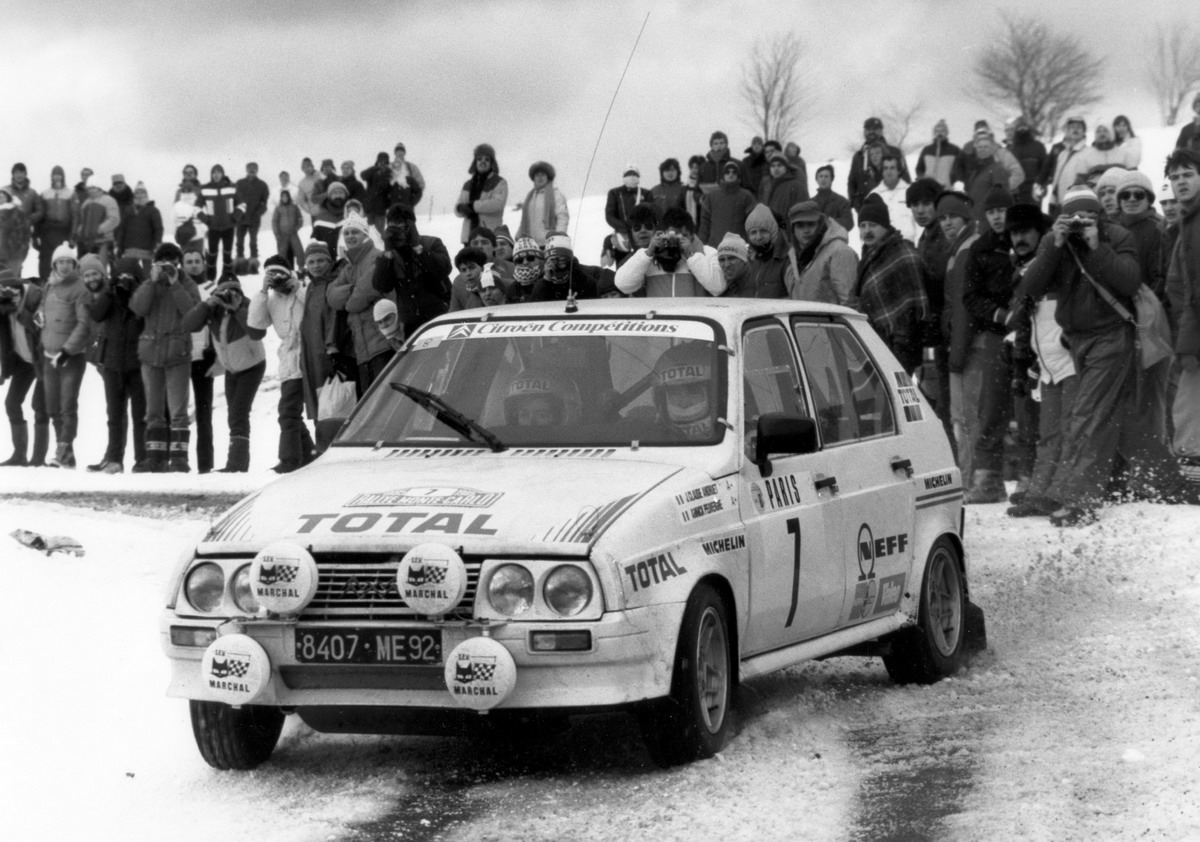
(864, 477)
(796, 585)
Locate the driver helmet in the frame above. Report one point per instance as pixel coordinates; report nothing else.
(542, 398)
(684, 389)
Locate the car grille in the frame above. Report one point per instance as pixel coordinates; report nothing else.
(358, 586)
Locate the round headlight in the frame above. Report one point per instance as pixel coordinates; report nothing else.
(205, 587)
(568, 590)
(510, 590)
(243, 594)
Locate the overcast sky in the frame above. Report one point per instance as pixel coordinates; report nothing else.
(143, 87)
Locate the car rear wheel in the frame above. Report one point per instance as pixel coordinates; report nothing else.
(695, 720)
(235, 738)
(935, 647)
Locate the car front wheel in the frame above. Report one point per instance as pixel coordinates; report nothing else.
(235, 738)
(934, 648)
(694, 721)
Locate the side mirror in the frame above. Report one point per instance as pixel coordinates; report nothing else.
(781, 433)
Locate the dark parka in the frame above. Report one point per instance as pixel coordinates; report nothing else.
(418, 279)
(117, 327)
(164, 340)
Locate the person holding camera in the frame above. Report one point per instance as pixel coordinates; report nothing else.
(115, 356)
(165, 353)
(415, 268)
(674, 265)
(1080, 255)
(240, 352)
(66, 333)
(280, 304)
(21, 365)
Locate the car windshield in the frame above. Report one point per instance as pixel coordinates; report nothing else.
(551, 383)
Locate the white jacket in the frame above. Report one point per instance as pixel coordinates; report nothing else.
(896, 200)
(692, 279)
(282, 312)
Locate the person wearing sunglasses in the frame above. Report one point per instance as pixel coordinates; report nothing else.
(483, 195)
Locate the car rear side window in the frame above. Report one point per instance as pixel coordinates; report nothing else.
(850, 397)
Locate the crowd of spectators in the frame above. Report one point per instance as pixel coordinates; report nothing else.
(1007, 278)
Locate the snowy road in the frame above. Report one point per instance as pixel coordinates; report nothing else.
(1082, 721)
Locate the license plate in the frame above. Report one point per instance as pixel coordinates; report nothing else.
(421, 647)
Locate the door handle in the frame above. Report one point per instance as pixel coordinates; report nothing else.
(827, 482)
(905, 465)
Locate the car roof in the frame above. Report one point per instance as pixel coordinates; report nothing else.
(726, 310)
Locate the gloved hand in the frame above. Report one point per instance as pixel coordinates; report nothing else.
(464, 209)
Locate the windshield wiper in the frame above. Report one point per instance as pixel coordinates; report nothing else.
(466, 427)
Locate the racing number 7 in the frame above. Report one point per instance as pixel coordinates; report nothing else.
(793, 528)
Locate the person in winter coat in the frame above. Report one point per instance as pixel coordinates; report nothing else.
(378, 180)
(475, 285)
(220, 203)
(14, 234)
(353, 292)
(726, 208)
(1064, 168)
(115, 355)
(240, 352)
(1103, 151)
(754, 165)
(1104, 421)
(791, 151)
(564, 276)
(693, 193)
(1129, 143)
(66, 336)
(484, 194)
(415, 269)
(326, 346)
(59, 217)
(937, 159)
(1031, 155)
(328, 214)
(766, 257)
(670, 191)
(619, 205)
(250, 197)
(712, 165)
(165, 352)
(141, 232)
(408, 185)
(821, 266)
(189, 182)
(983, 171)
(1183, 290)
(285, 225)
(99, 217)
(24, 195)
(280, 304)
(833, 205)
(190, 230)
(781, 188)
(893, 190)
(864, 175)
(676, 264)
(891, 285)
(733, 256)
(204, 366)
(21, 364)
(545, 207)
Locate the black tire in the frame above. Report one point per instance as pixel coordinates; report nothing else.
(934, 648)
(230, 738)
(694, 722)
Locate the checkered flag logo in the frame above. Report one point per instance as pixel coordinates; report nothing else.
(271, 574)
(482, 671)
(238, 668)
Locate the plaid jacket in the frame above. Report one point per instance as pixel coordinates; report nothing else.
(891, 291)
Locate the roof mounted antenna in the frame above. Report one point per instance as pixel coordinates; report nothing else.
(571, 307)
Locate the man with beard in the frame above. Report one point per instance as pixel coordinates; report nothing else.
(59, 216)
(862, 179)
(891, 284)
(821, 264)
(768, 257)
(415, 268)
(674, 265)
(483, 195)
(988, 284)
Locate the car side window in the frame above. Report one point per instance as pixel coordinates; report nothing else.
(850, 397)
(770, 380)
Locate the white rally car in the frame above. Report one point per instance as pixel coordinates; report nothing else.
(549, 509)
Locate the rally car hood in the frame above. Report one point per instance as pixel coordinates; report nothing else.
(500, 505)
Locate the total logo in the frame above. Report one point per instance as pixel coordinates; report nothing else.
(871, 549)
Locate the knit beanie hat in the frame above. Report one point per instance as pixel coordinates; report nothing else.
(339, 189)
(874, 209)
(526, 245)
(732, 244)
(1136, 179)
(1111, 177)
(168, 251)
(954, 203)
(997, 197)
(66, 252)
(316, 247)
(924, 189)
(503, 235)
(89, 262)
(1080, 198)
(761, 217)
(275, 261)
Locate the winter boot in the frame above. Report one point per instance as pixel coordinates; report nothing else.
(156, 452)
(178, 452)
(20, 438)
(41, 443)
(239, 456)
(64, 456)
(987, 486)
